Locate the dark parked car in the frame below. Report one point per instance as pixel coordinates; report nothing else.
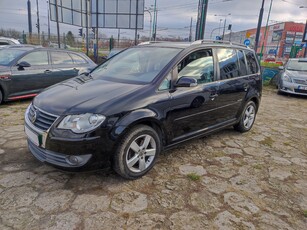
(27, 70)
(293, 77)
(144, 100)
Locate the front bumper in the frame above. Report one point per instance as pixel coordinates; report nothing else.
(58, 159)
(67, 153)
(293, 88)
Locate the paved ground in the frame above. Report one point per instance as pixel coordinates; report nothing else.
(257, 180)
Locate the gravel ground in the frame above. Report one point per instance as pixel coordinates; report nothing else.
(256, 180)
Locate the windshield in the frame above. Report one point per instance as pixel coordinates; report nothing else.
(136, 65)
(8, 55)
(297, 65)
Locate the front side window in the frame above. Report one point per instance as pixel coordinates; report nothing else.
(251, 62)
(198, 65)
(8, 55)
(61, 58)
(228, 63)
(36, 58)
(136, 65)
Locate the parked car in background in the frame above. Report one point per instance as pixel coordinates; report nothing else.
(26, 70)
(293, 77)
(8, 41)
(143, 100)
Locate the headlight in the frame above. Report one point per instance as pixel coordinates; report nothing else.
(82, 123)
(287, 78)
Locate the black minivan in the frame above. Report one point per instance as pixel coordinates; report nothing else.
(144, 100)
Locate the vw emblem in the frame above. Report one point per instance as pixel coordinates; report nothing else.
(33, 118)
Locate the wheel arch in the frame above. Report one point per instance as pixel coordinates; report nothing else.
(139, 117)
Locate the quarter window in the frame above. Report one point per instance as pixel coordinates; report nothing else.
(251, 62)
(36, 58)
(59, 58)
(198, 65)
(228, 63)
(166, 83)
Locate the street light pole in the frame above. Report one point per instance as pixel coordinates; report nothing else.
(154, 24)
(259, 26)
(224, 27)
(150, 24)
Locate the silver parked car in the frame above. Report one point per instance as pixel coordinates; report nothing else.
(293, 78)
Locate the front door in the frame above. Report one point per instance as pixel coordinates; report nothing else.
(193, 107)
(31, 79)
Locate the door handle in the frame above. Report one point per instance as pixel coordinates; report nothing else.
(48, 71)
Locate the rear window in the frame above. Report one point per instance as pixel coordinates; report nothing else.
(61, 58)
(251, 62)
(77, 59)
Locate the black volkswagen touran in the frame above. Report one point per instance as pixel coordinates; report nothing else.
(144, 100)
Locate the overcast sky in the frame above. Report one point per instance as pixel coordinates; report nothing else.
(173, 15)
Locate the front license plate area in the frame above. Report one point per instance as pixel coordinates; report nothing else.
(302, 87)
(35, 138)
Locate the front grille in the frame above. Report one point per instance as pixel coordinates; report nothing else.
(300, 91)
(40, 119)
(300, 81)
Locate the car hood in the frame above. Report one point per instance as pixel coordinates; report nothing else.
(77, 96)
(296, 74)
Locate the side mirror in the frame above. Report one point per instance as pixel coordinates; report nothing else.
(23, 64)
(186, 82)
(281, 67)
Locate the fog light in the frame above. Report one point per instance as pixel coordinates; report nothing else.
(73, 160)
(78, 160)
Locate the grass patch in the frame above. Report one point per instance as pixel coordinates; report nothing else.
(257, 166)
(268, 141)
(305, 213)
(193, 176)
(286, 144)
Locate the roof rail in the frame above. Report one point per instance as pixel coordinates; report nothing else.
(198, 42)
(150, 42)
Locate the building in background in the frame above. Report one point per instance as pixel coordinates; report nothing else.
(280, 39)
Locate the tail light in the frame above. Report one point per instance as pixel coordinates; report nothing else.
(5, 76)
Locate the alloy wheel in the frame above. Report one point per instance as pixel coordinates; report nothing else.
(141, 153)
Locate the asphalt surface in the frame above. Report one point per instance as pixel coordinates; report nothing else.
(256, 180)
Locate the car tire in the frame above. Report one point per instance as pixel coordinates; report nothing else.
(137, 152)
(1, 97)
(247, 117)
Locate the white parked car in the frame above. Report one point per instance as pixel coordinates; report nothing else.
(4, 41)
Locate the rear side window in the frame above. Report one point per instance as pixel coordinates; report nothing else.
(61, 58)
(77, 59)
(36, 58)
(243, 67)
(251, 62)
(228, 63)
